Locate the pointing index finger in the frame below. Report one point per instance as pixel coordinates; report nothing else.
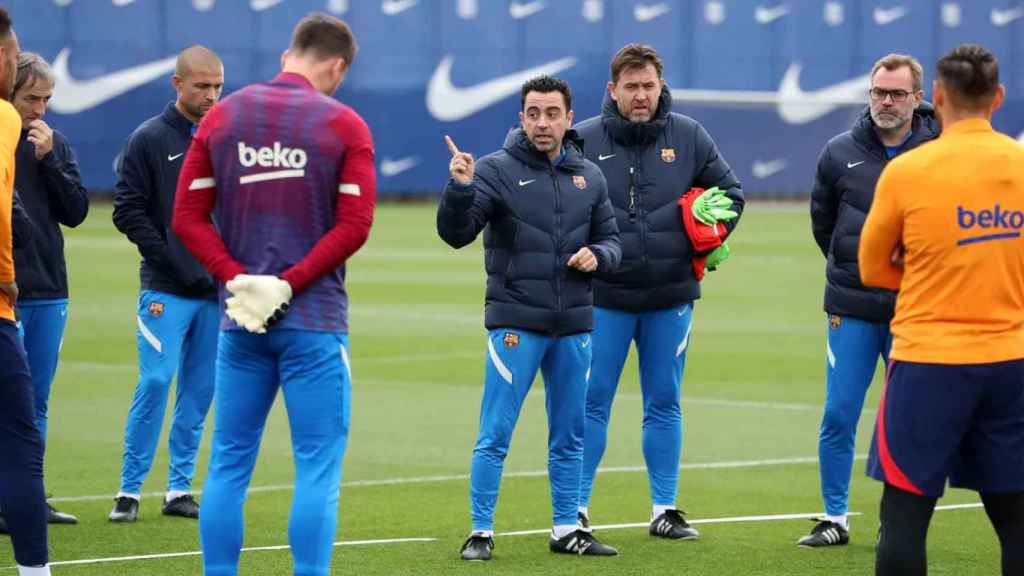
(451, 145)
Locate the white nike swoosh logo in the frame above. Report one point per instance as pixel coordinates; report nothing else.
(603, 157)
(389, 167)
(519, 11)
(392, 7)
(852, 164)
(203, 5)
(585, 343)
(1004, 17)
(793, 104)
(175, 157)
(261, 5)
(765, 169)
(765, 15)
(337, 7)
(886, 16)
(593, 10)
(74, 96)
(834, 13)
(448, 103)
(525, 182)
(123, 2)
(646, 13)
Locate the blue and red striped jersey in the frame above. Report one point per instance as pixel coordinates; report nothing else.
(289, 175)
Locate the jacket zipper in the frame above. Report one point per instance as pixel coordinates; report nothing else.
(636, 206)
(558, 246)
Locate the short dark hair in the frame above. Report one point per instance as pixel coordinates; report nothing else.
(5, 23)
(544, 85)
(970, 75)
(324, 36)
(634, 56)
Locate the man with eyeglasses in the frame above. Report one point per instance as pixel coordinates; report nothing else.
(897, 119)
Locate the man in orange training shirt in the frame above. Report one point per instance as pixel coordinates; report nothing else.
(945, 230)
(21, 445)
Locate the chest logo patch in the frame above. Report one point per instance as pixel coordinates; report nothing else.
(156, 309)
(579, 181)
(668, 155)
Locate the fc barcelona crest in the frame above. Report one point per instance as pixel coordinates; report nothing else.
(580, 182)
(834, 321)
(156, 309)
(668, 155)
(511, 340)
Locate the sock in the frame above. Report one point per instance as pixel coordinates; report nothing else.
(43, 570)
(560, 531)
(585, 511)
(485, 533)
(901, 543)
(172, 494)
(660, 509)
(842, 519)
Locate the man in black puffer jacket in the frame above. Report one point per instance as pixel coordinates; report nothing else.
(650, 156)
(549, 225)
(897, 120)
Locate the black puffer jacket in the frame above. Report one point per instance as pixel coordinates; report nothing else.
(844, 187)
(649, 166)
(537, 215)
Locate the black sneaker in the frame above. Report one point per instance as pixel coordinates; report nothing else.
(184, 506)
(582, 543)
(125, 510)
(672, 525)
(54, 516)
(477, 547)
(825, 533)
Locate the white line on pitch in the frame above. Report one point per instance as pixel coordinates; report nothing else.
(520, 474)
(960, 506)
(247, 549)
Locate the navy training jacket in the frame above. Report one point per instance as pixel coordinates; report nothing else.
(535, 216)
(51, 194)
(648, 166)
(844, 187)
(144, 204)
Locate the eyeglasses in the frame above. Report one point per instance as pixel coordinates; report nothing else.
(879, 94)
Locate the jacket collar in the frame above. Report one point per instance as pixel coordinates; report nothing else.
(175, 119)
(519, 146)
(631, 133)
(969, 125)
(293, 78)
(923, 124)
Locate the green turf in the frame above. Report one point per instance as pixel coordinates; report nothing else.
(753, 387)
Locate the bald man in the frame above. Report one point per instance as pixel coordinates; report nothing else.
(178, 315)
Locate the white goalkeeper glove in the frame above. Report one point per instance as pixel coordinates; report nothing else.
(257, 301)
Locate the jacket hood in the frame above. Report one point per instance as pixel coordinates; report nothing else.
(631, 133)
(519, 146)
(923, 123)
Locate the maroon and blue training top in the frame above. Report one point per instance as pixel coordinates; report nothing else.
(288, 174)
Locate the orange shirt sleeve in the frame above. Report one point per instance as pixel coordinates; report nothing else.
(10, 132)
(883, 231)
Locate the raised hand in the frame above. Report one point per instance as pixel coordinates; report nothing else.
(41, 136)
(462, 166)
